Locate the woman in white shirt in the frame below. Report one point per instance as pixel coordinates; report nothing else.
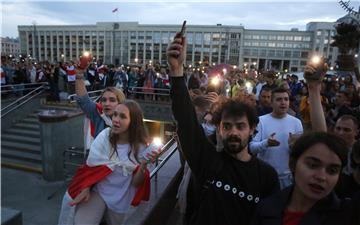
(121, 152)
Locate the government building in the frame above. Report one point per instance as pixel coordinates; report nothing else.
(133, 43)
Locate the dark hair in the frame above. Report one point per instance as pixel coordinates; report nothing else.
(333, 142)
(279, 90)
(265, 89)
(232, 107)
(137, 132)
(350, 117)
(201, 102)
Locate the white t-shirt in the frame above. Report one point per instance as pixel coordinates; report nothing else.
(277, 156)
(116, 189)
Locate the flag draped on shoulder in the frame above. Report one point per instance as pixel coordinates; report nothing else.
(99, 164)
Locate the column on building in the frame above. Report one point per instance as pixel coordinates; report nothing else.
(39, 46)
(57, 47)
(51, 47)
(77, 45)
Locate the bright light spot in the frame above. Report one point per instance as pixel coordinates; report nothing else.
(214, 64)
(356, 55)
(254, 63)
(86, 53)
(248, 84)
(234, 67)
(157, 141)
(224, 71)
(215, 81)
(286, 70)
(158, 74)
(316, 59)
(331, 68)
(189, 66)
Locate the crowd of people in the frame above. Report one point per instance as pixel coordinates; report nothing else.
(259, 148)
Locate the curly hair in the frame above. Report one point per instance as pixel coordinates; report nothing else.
(225, 107)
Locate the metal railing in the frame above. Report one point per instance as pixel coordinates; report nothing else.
(12, 88)
(90, 93)
(24, 99)
(169, 146)
(150, 91)
(134, 93)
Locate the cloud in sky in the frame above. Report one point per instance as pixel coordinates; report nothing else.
(274, 14)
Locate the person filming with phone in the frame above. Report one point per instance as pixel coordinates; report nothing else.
(100, 113)
(230, 182)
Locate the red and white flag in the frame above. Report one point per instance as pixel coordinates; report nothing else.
(115, 10)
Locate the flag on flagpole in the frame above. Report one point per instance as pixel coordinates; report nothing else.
(115, 10)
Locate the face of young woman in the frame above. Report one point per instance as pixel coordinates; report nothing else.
(317, 172)
(120, 119)
(109, 102)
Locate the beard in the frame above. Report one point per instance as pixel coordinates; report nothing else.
(234, 144)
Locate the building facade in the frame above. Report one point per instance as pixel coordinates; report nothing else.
(134, 43)
(10, 46)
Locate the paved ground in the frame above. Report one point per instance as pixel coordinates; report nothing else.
(29, 192)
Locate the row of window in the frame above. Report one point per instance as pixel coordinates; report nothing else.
(278, 37)
(276, 44)
(275, 53)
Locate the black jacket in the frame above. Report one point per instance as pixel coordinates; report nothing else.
(228, 189)
(328, 211)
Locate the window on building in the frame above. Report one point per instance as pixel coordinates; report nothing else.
(287, 54)
(207, 38)
(289, 38)
(263, 44)
(296, 54)
(255, 43)
(272, 44)
(280, 45)
(263, 52)
(280, 38)
(247, 36)
(304, 54)
(307, 38)
(297, 38)
(271, 53)
(246, 51)
(256, 37)
(272, 37)
(326, 41)
(318, 33)
(263, 37)
(288, 45)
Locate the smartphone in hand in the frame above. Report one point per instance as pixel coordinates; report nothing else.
(320, 67)
(84, 60)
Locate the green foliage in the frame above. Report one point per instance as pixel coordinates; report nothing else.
(347, 38)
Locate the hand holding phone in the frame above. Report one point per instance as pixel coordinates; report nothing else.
(316, 69)
(84, 60)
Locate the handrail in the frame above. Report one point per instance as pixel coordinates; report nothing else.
(22, 98)
(24, 84)
(152, 91)
(170, 145)
(89, 92)
(22, 87)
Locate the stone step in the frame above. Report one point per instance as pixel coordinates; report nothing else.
(27, 126)
(24, 147)
(30, 120)
(20, 155)
(22, 132)
(20, 139)
(21, 165)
